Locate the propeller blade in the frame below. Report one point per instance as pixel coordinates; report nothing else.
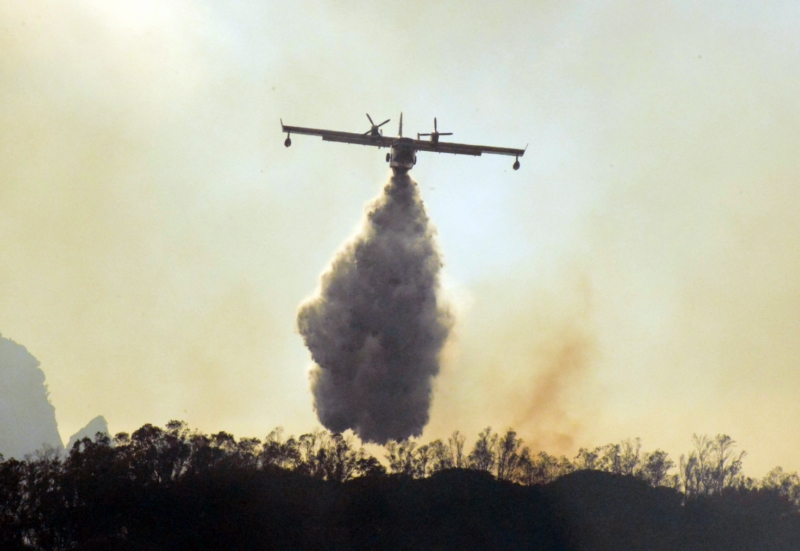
(384, 122)
(423, 134)
(370, 120)
(445, 133)
(434, 124)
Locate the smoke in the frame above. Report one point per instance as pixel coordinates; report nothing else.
(527, 358)
(561, 356)
(27, 418)
(375, 329)
(542, 414)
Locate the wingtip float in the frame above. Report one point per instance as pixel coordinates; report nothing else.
(403, 151)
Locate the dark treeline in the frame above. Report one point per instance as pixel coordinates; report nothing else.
(176, 489)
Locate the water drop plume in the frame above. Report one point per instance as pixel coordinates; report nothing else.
(375, 328)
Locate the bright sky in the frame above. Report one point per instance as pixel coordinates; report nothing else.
(638, 276)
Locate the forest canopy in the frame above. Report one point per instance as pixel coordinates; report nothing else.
(175, 488)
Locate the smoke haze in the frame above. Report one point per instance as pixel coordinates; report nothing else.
(376, 329)
(158, 238)
(563, 354)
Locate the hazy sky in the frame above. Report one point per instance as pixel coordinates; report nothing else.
(638, 276)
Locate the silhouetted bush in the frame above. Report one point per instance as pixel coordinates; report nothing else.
(176, 489)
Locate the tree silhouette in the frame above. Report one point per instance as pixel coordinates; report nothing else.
(175, 488)
(483, 456)
(655, 469)
(786, 485)
(508, 456)
(402, 458)
(456, 445)
(711, 467)
(331, 456)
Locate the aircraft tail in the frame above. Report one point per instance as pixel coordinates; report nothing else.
(400, 132)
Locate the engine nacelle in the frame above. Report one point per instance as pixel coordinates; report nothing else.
(288, 141)
(515, 166)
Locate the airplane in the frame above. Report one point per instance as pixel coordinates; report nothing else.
(403, 151)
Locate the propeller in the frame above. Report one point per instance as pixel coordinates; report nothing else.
(435, 134)
(374, 130)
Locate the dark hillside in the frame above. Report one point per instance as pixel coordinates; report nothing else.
(601, 511)
(232, 509)
(454, 509)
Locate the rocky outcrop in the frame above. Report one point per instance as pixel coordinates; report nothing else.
(98, 424)
(27, 418)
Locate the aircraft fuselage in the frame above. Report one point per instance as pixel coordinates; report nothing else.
(403, 155)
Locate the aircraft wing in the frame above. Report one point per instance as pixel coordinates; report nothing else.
(336, 136)
(465, 149)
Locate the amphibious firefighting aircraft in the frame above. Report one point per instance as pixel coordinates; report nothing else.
(403, 151)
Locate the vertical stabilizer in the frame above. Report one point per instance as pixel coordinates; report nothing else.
(400, 132)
